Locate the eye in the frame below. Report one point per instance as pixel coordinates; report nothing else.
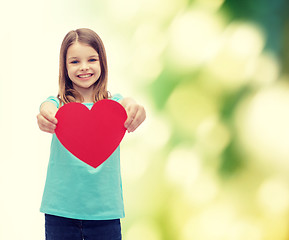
(93, 60)
(74, 62)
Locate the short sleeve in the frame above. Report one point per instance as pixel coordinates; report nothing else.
(117, 97)
(53, 100)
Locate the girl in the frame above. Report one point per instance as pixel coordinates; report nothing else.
(81, 202)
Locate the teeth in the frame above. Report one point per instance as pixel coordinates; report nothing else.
(84, 76)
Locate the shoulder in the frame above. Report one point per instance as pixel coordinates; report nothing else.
(53, 100)
(117, 97)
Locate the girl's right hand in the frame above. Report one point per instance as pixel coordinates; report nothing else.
(46, 118)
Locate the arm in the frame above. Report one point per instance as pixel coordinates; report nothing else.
(46, 118)
(135, 114)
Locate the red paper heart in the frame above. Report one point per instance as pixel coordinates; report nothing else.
(91, 135)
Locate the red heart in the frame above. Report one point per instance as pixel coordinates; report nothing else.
(91, 135)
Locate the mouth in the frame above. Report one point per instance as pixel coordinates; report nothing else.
(85, 76)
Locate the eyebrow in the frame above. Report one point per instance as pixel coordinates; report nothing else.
(71, 58)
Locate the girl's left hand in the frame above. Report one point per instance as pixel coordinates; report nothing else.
(135, 114)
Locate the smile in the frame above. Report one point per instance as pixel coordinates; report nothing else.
(85, 75)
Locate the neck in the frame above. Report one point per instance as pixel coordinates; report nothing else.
(87, 94)
(86, 100)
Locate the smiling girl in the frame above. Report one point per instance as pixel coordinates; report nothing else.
(80, 202)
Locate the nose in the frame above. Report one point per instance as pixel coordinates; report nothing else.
(84, 67)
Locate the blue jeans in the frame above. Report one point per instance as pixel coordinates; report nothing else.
(60, 228)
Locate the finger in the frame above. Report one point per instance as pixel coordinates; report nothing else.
(48, 130)
(45, 129)
(49, 116)
(45, 125)
(139, 118)
(131, 113)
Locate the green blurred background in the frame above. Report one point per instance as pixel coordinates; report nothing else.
(211, 160)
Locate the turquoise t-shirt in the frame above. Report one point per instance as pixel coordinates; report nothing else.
(76, 190)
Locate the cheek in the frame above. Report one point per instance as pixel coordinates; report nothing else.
(70, 72)
(97, 69)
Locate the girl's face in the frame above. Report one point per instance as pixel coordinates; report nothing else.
(83, 67)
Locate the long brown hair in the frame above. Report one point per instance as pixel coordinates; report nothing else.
(66, 92)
